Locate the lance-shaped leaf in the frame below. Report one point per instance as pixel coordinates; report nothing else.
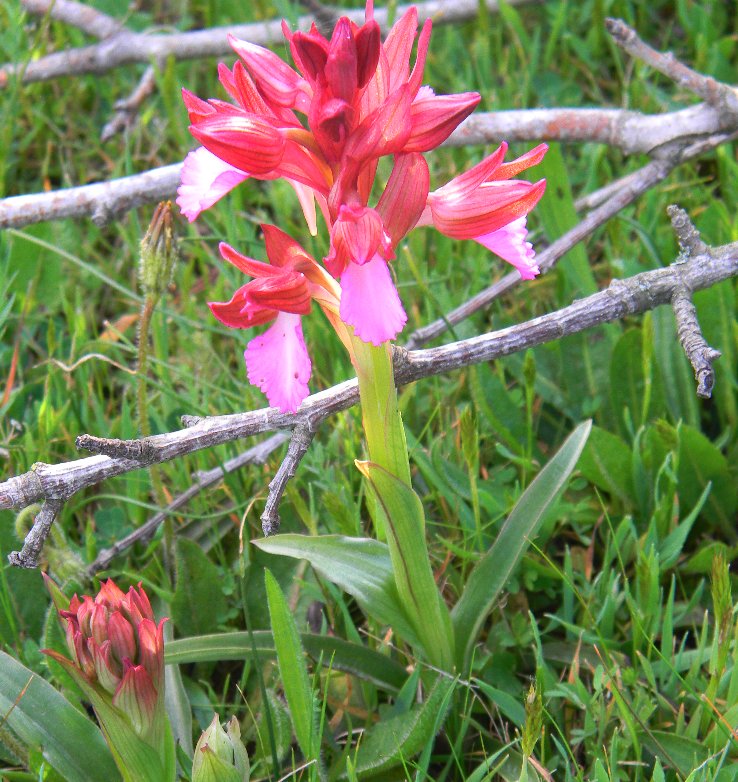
(41, 717)
(404, 524)
(330, 651)
(293, 669)
(360, 566)
(494, 569)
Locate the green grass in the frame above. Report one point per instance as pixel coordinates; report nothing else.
(614, 613)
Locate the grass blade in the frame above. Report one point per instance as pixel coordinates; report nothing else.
(340, 655)
(292, 668)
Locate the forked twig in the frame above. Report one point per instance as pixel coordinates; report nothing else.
(29, 555)
(126, 109)
(635, 295)
(701, 356)
(714, 93)
(302, 436)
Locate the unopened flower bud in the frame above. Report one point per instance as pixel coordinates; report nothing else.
(533, 720)
(117, 652)
(220, 755)
(115, 642)
(158, 251)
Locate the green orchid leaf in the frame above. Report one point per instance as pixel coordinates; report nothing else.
(41, 717)
(333, 652)
(360, 566)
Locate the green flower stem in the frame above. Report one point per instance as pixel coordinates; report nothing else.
(142, 405)
(398, 512)
(383, 429)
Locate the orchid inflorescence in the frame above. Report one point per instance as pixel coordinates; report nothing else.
(362, 101)
(117, 645)
(117, 661)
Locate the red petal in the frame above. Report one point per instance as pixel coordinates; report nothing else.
(310, 52)
(405, 196)
(341, 65)
(368, 44)
(416, 77)
(489, 209)
(247, 265)
(384, 132)
(232, 314)
(434, 118)
(242, 140)
(399, 46)
(287, 293)
(197, 108)
(282, 250)
(509, 170)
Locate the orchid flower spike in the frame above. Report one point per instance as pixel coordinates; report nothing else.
(323, 126)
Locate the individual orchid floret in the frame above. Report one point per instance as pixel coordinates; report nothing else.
(282, 291)
(482, 201)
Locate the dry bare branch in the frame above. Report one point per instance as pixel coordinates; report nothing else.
(630, 131)
(701, 356)
(126, 109)
(29, 555)
(302, 436)
(83, 17)
(126, 47)
(635, 295)
(102, 201)
(721, 96)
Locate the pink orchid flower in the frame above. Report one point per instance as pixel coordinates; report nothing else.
(485, 205)
(281, 291)
(361, 99)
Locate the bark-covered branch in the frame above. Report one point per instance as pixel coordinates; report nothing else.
(630, 131)
(83, 17)
(721, 96)
(633, 296)
(302, 436)
(126, 47)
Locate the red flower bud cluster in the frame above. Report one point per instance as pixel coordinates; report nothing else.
(115, 641)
